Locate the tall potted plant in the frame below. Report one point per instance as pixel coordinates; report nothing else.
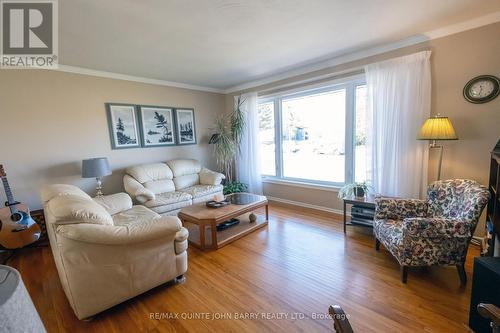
(229, 129)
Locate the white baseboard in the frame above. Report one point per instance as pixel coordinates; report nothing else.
(307, 205)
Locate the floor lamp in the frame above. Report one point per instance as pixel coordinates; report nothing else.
(434, 129)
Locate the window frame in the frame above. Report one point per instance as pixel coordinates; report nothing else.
(349, 84)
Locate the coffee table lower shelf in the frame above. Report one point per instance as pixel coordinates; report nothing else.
(220, 238)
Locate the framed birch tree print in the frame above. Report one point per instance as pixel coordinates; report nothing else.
(157, 126)
(186, 130)
(123, 128)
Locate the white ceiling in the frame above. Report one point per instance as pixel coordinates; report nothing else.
(223, 43)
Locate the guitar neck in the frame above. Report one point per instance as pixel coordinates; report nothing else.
(10, 196)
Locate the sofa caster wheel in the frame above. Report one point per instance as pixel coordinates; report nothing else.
(377, 245)
(180, 279)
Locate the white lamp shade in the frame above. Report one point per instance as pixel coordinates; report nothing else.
(95, 167)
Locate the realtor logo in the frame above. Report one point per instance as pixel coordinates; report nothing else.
(29, 34)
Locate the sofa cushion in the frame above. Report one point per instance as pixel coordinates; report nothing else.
(50, 191)
(114, 203)
(172, 209)
(160, 186)
(182, 167)
(70, 208)
(150, 172)
(209, 177)
(185, 181)
(163, 199)
(136, 214)
(197, 191)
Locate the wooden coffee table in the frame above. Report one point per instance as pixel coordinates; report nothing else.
(202, 221)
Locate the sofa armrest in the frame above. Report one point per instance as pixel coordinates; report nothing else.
(115, 203)
(181, 235)
(209, 177)
(181, 241)
(431, 227)
(137, 190)
(398, 209)
(161, 227)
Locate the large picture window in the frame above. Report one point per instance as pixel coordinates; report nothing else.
(316, 135)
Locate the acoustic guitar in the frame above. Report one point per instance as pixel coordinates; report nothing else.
(17, 228)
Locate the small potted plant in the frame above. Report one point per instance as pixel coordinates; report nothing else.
(234, 187)
(358, 190)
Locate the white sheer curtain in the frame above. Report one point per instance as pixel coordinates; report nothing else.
(399, 101)
(248, 159)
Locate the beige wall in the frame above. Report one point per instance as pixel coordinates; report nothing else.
(455, 59)
(50, 121)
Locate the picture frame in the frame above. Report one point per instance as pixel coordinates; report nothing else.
(123, 125)
(157, 126)
(186, 127)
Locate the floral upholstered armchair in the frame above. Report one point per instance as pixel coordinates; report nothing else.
(436, 231)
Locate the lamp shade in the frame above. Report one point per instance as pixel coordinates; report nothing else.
(437, 128)
(16, 308)
(95, 167)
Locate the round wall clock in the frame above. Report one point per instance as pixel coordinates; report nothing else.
(482, 89)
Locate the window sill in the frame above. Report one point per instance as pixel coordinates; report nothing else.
(322, 187)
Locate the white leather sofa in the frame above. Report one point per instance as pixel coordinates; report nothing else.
(106, 250)
(167, 187)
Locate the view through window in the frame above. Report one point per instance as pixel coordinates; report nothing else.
(321, 134)
(266, 136)
(313, 136)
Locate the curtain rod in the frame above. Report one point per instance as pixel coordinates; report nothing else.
(325, 77)
(312, 80)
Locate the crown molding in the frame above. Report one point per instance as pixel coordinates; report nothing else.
(117, 76)
(368, 52)
(339, 60)
(464, 26)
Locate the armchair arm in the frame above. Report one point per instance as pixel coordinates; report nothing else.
(209, 177)
(181, 240)
(398, 209)
(181, 235)
(435, 228)
(137, 190)
(122, 235)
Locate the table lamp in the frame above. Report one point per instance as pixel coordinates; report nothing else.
(96, 168)
(437, 128)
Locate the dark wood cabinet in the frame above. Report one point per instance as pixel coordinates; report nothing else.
(485, 289)
(493, 210)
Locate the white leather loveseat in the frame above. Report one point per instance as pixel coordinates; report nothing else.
(167, 187)
(106, 250)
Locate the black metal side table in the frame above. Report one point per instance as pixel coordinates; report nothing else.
(362, 211)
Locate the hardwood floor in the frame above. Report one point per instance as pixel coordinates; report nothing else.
(295, 269)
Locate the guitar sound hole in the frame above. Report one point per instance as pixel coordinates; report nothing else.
(16, 217)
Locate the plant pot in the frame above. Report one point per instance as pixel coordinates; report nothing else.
(359, 192)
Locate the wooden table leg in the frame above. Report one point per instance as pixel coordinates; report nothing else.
(202, 235)
(345, 217)
(213, 226)
(267, 213)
